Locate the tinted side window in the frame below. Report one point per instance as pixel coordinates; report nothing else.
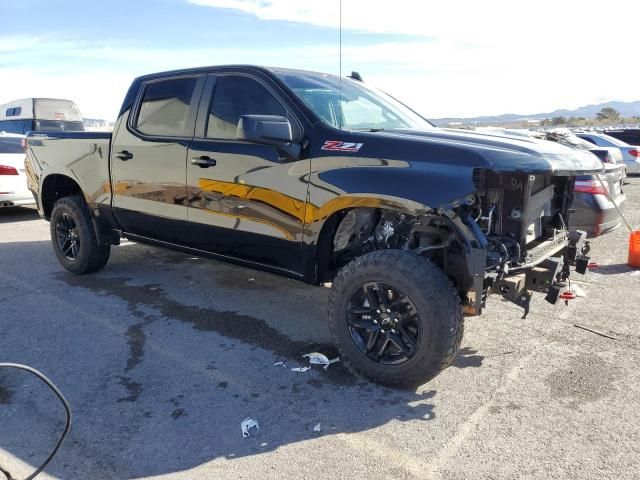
(16, 126)
(13, 112)
(236, 96)
(589, 139)
(165, 107)
(11, 145)
(59, 126)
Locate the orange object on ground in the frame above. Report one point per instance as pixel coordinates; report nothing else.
(634, 249)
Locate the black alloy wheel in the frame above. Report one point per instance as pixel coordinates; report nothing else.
(67, 236)
(384, 323)
(395, 317)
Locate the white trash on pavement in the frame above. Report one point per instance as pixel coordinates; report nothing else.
(579, 292)
(247, 424)
(316, 358)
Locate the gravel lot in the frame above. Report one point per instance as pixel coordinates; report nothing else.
(162, 355)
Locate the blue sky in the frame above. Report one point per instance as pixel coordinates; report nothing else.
(467, 58)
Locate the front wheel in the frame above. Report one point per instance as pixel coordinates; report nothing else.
(395, 317)
(74, 237)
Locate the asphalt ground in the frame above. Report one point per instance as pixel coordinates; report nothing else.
(162, 356)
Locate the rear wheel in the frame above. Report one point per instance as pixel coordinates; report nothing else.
(395, 317)
(74, 237)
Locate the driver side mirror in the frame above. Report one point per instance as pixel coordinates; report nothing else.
(267, 129)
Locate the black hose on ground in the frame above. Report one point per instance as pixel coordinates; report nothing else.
(67, 409)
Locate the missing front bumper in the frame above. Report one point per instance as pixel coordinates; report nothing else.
(546, 275)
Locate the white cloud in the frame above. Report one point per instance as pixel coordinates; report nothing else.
(472, 57)
(465, 21)
(457, 58)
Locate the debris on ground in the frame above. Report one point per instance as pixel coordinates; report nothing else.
(594, 331)
(316, 358)
(300, 369)
(247, 424)
(317, 428)
(280, 364)
(251, 279)
(579, 292)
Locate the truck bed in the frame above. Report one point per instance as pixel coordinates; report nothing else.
(83, 154)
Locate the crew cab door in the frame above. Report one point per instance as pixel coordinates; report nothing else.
(149, 158)
(246, 199)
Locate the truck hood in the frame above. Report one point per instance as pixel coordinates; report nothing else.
(501, 152)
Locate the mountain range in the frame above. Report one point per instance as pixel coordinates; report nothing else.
(626, 109)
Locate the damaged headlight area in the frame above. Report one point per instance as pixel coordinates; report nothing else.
(518, 224)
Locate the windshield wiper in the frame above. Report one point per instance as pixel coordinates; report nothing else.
(369, 129)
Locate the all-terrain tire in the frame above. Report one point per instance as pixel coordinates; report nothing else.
(90, 256)
(437, 304)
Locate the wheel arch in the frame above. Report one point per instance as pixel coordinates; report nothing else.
(54, 187)
(324, 231)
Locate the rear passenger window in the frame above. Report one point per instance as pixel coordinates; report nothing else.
(235, 96)
(164, 110)
(13, 112)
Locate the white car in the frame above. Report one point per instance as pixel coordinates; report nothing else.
(13, 181)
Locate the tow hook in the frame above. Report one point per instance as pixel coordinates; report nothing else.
(567, 295)
(559, 292)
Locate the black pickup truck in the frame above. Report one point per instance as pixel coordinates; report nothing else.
(326, 180)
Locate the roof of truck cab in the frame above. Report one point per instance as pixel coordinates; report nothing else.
(213, 68)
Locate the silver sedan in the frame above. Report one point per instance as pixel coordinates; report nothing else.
(630, 153)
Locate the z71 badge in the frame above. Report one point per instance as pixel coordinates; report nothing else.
(338, 146)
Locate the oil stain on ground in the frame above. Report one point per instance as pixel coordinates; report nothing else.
(5, 395)
(136, 341)
(230, 324)
(134, 389)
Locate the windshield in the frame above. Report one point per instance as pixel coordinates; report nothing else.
(56, 109)
(349, 104)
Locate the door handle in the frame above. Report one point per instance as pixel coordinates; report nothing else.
(124, 155)
(203, 161)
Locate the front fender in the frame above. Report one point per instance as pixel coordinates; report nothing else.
(411, 187)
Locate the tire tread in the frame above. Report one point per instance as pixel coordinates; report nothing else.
(92, 256)
(437, 289)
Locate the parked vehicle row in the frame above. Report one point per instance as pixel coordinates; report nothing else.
(592, 209)
(630, 153)
(630, 136)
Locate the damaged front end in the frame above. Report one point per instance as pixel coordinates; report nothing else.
(510, 238)
(515, 240)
